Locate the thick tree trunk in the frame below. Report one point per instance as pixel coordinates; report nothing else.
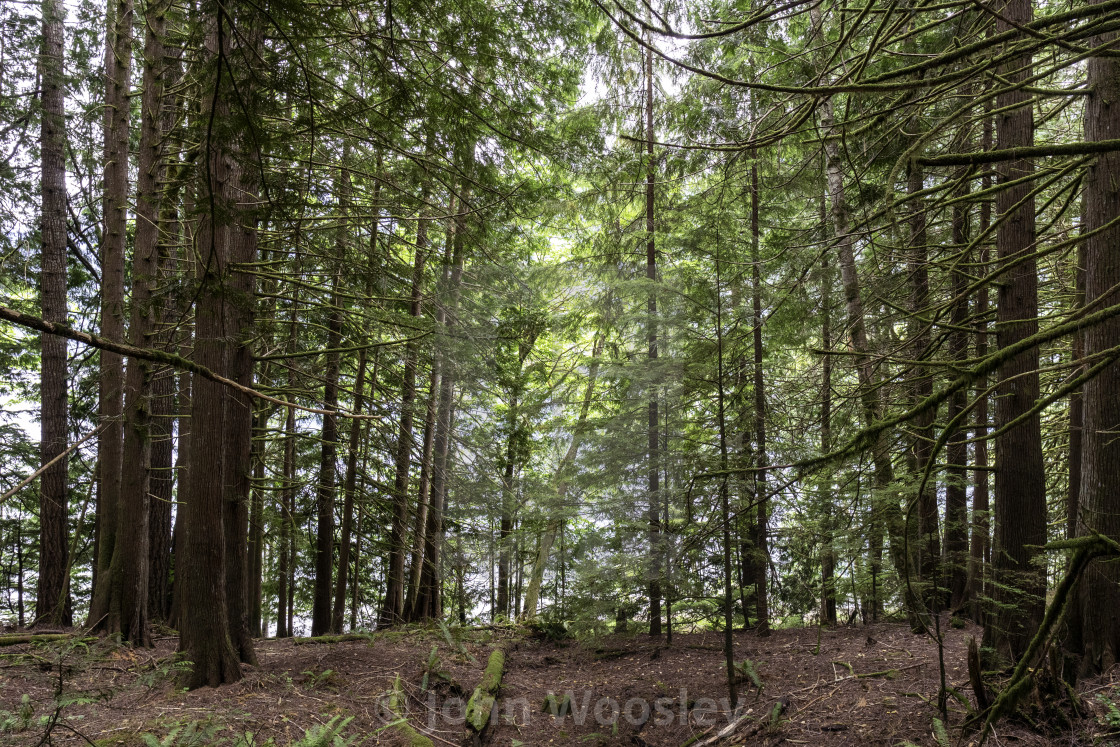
(114, 205)
(1100, 463)
(1020, 494)
(53, 588)
(240, 306)
(204, 626)
(129, 571)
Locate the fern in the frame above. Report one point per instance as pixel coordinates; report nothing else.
(327, 735)
(19, 720)
(1111, 718)
(193, 734)
(940, 734)
(746, 668)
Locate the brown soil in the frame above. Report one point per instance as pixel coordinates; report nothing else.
(626, 690)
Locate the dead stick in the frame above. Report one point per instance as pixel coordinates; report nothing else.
(48, 465)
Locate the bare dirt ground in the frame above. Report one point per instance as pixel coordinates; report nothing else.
(870, 685)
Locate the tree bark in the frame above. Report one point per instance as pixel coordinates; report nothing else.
(392, 610)
(204, 627)
(53, 588)
(287, 503)
(355, 440)
(885, 508)
(430, 598)
(955, 567)
(328, 475)
(979, 543)
(1020, 494)
(424, 487)
(921, 387)
(241, 304)
(129, 570)
(1100, 463)
(256, 522)
(828, 548)
(654, 464)
(762, 498)
(114, 204)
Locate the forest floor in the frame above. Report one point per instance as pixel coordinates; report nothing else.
(867, 685)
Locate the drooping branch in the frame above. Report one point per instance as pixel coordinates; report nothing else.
(157, 356)
(1013, 154)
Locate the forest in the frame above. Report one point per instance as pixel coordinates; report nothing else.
(599, 329)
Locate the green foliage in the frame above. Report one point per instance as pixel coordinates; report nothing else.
(940, 734)
(20, 719)
(316, 680)
(191, 734)
(328, 734)
(205, 733)
(167, 669)
(1111, 717)
(746, 668)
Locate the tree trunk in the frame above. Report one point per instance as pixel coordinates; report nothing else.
(256, 522)
(885, 508)
(828, 548)
(725, 503)
(53, 588)
(979, 544)
(129, 570)
(287, 503)
(1020, 494)
(240, 306)
(423, 491)
(505, 526)
(392, 610)
(357, 427)
(1100, 463)
(762, 498)
(955, 568)
(921, 387)
(114, 206)
(328, 474)
(654, 465)
(161, 497)
(204, 627)
(430, 598)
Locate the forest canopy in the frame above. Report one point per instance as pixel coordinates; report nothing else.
(325, 317)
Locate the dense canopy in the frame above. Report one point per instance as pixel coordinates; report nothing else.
(321, 317)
